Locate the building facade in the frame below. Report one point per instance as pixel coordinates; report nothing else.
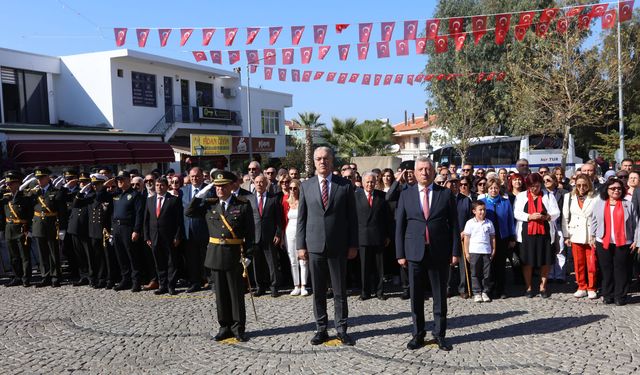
(416, 137)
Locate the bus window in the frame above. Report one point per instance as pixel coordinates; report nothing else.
(508, 153)
(436, 157)
(474, 155)
(545, 142)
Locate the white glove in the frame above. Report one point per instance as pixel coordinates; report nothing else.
(2, 182)
(245, 262)
(26, 183)
(111, 239)
(204, 191)
(58, 182)
(61, 234)
(85, 189)
(28, 177)
(28, 234)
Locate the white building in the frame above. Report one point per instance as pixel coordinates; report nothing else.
(416, 137)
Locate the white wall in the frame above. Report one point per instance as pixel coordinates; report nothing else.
(29, 61)
(269, 100)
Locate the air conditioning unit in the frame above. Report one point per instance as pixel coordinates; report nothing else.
(228, 92)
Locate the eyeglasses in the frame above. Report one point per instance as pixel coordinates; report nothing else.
(481, 184)
(148, 181)
(548, 180)
(268, 172)
(293, 188)
(615, 188)
(464, 184)
(466, 170)
(344, 169)
(480, 172)
(252, 169)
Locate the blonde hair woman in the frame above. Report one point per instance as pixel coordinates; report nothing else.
(299, 267)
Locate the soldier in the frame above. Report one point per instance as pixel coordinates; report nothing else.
(78, 228)
(231, 232)
(18, 213)
(99, 235)
(73, 255)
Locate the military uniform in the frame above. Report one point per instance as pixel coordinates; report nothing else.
(224, 253)
(101, 250)
(17, 213)
(78, 231)
(76, 261)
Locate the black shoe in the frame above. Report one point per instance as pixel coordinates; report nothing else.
(529, 294)
(172, 292)
(442, 344)
(345, 339)
(108, 285)
(319, 338)
(607, 301)
(620, 301)
(122, 286)
(503, 296)
(242, 337)
(259, 292)
(223, 334)
(194, 288)
(81, 282)
(43, 283)
(26, 283)
(405, 295)
(136, 288)
(416, 342)
(364, 297)
(13, 282)
(160, 291)
(274, 293)
(329, 294)
(381, 297)
(464, 295)
(545, 294)
(55, 284)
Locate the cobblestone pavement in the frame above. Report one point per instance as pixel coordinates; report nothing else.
(82, 330)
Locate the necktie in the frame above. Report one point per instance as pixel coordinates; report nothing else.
(159, 206)
(325, 193)
(370, 200)
(195, 191)
(224, 207)
(260, 205)
(425, 211)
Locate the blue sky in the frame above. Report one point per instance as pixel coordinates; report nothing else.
(64, 27)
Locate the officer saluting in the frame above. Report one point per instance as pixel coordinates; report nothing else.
(231, 231)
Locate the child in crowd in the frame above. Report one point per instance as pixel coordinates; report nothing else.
(479, 249)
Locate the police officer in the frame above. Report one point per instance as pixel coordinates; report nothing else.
(231, 231)
(126, 228)
(18, 213)
(78, 229)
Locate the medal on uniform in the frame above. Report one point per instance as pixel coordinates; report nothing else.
(128, 197)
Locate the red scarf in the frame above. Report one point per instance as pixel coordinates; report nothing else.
(534, 226)
(618, 224)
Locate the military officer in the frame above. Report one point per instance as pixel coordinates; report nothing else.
(73, 255)
(231, 232)
(78, 229)
(101, 250)
(18, 213)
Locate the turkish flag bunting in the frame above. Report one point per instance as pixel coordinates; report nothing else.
(318, 75)
(319, 32)
(386, 31)
(253, 68)
(421, 46)
(287, 56)
(142, 35)
(306, 76)
(383, 49)
(526, 18)
(541, 29)
(562, 25)
(428, 77)
(575, 11)
(398, 78)
(296, 34)
(252, 32)
(460, 39)
(376, 79)
(442, 43)
(342, 78)
(609, 19)
(625, 8)
(410, 79)
(164, 36)
(598, 10)
(230, 35)
(363, 51)
(295, 75)
(419, 78)
(199, 56)
(322, 51)
(282, 74)
(402, 47)
(234, 57)
(491, 76)
(501, 76)
(268, 72)
(548, 15)
(121, 35)
(456, 25)
(480, 77)
(502, 27)
(479, 24)
(340, 27)
(440, 77)
(354, 77)
(252, 56)
(364, 32)
(216, 57)
(366, 79)
(584, 22)
(331, 76)
(410, 29)
(270, 56)
(451, 76)
(432, 29)
(344, 51)
(305, 54)
(520, 32)
(387, 79)
(207, 34)
(274, 33)
(185, 34)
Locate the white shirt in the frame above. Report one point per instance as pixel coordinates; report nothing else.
(226, 202)
(194, 192)
(328, 178)
(264, 198)
(162, 199)
(421, 191)
(479, 233)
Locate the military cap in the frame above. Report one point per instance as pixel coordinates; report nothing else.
(98, 178)
(70, 173)
(41, 172)
(408, 164)
(123, 175)
(223, 178)
(13, 176)
(84, 177)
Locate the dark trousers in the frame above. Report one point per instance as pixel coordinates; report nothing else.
(438, 274)
(480, 266)
(81, 255)
(20, 258)
(147, 262)
(194, 252)
(615, 264)
(49, 252)
(128, 257)
(372, 270)
(516, 264)
(100, 265)
(266, 265)
(69, 254)
(499, 267)
(229, 287)
(334, 268)
(458, 277)
(165, 255)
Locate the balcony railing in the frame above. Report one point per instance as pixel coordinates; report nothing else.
(201, 115)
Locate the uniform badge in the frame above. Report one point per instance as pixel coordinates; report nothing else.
(128, 197)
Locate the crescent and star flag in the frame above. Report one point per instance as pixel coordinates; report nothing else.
(164, 36)
(366, 79)
(541, 29)
(318, 76)
(562, 25)
(234, 57)
(502, 27)
(305, 54)
(121, 35)
(252, 32)
(354, 77)
(268, 72)
(520, 31)
(270, 56)
(319, 32)
(287, 56)
(295, 75)
(432, 29)
(598, 10)
(410, 30)
(342, 78)
(185, 34)
(456, 25)
(625, 8)
(441, 43)
(428, 77)
(440, 77)
(398, 78)
(386, 31)
(609, 19)
(344, 51)
(364, 32)
(480, 77)
(363, 51)
(460, 39)
(526, 18)
(575, 11)
(230, 35)
(340, 27)
(419, 78)
(274, 33)
(479, 26)
(296, 34)
(306, 75)
(199, 56)
(216, 57)
(322, 51)
(548, 15)
(142, 35)
(421, 46)
(383, 49)
(331, 76)
(410, 79)
(387, 79)
(501, 76)
(207, 34)
(282, 74)
(402, 48)
(252, 56)
(376, 79)
(584, 22)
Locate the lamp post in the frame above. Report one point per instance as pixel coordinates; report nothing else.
(238, 70)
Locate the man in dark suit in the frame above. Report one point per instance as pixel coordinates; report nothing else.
(327, 234)
(267, 217)
(163, 229)
(426, 232)
(374, 224)
(458, 276)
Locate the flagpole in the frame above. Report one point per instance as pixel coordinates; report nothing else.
(620, 110)
(237, 70)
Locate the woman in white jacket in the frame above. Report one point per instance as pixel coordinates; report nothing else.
(576, 218)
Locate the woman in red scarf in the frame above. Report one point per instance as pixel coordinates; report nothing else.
(613, 232)
(534, 211)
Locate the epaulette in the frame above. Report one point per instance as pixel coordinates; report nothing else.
(211, 200)
(242, 199)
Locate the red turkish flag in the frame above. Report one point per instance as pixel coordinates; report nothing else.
(342, 78)
(598, 10)
(440, 77)
(331, 76)
(295, 75)
(410, 79)
(442, 44)
(366, 79)
(479, 77)
(199, 56)
(164, 36)
(269, 56)
(340, 27)
(502, 27)
(526, 18)
(207, 34)
(306, 76)
(376, 79)
(322, 51)
(491, 76)
(479, 24)
(268, 72)
(253, 68)
(456, 25)
(501, 76)
(343, 50)
(421, 46)
(364, 32)
(428, 77)
(185, 34)
(216, 57)
(575, 11)
(451, 76)
(419, 78)
(252, 56)
(274, 33)
(548, 15)
(609, 19)
(625, 8)
(354, 77)
(296, 34)
(562, 25)
(319, 32)
(305, 54)
(383, 49)
(432, 29)
(363, 51)
(287, 56)
(230, 35)
(520, 32)
(541, 29)
(402, 48)
(234, 57)
(410, 30)
(282, 74)
(398, 78)
(386, 31)
(387, 79)
(318, 76)
(252, 32)
(121, 35)
(460, 39)
(142, 35)
(584, 22)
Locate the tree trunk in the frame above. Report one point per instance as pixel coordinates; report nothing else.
(308, 153)
(565, 145)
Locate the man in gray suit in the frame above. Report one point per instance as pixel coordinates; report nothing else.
(254, 169)
(327, 234)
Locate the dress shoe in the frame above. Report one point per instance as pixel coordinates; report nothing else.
(329, 294)
(345, 339)
(319, 338)
(81, 282)
(464, 295)
(416, 342)
(55, 284)
(43, 283)
(545, 294)
(274, 293)
(223, 334)
(259, 292)
(242, 337)
(381, 297)
(194, 288)
(620, 301)
(172, 291)
(122, 286)
(14, 282)
(442, 344)
(529, 293)
(153, 284)
(607, 301)
(405, 294)
(26, 283)
(136, 288)
(161, 291)
(108, 285)
(364, 297)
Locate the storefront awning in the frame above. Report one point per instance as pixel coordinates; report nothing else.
(151, 152)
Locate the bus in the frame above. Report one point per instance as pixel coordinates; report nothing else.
(503, 152)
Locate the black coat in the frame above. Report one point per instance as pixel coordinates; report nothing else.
(270, 223)
(54, 200)
(375, 222)
(79, 216)
(23, 207)
(169, 225)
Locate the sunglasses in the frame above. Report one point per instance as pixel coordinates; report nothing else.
(615, 188)
(464, 184)
(466, 170)
(481, 184)
(252, 169)
(268, 172)
(480, 172)
(344, 169)
(137, 184)
(548, 180)
(293, 188)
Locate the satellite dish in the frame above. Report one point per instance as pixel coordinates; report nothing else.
(394, 148)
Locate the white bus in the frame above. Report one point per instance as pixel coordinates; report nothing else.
(503, 152)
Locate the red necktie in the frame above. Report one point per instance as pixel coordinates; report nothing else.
(260, 205)
(425, 211)
(370, 200)
(159, 206)
(325, 193)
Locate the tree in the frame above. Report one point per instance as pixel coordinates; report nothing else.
(296, 157)
(349, 138)
(309, 122)
(609, 143)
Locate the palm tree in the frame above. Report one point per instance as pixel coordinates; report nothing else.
(309, 122)
(349, 138)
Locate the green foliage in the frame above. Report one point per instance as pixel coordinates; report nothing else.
(607, 145)
(309, 121)
(295, 157)
(349, 138)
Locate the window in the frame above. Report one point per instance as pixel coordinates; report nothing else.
(416, 142)
(143, 89)
(25, 97)
(270, 122)
(204, 94)
(545, 142)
